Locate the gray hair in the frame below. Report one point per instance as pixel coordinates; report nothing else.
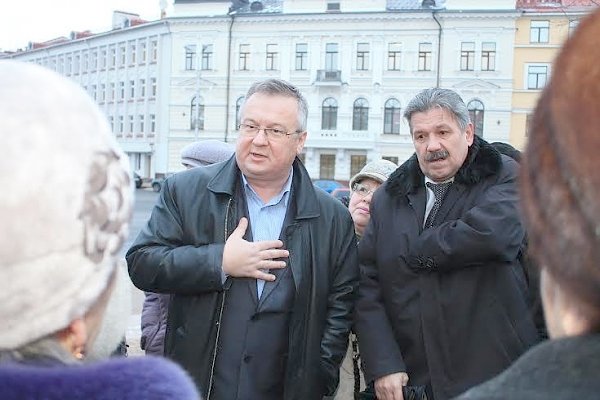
(282, 88)
(447, 99)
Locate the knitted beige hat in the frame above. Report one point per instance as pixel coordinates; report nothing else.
(379, 170)
(65, 204)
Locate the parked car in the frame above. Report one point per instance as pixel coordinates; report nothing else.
(138, 180)
(340, 193)
(157, 183)
(327, 185)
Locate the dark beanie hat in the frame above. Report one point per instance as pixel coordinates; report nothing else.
(560, 183)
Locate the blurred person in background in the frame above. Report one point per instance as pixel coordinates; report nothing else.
(560, 198)
(65, 210)
(156, 305)
(362, 187)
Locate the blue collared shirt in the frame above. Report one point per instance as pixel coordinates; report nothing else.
(266, 219)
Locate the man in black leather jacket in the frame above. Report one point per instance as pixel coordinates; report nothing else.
(262, 267)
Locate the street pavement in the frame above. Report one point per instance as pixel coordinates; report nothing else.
(144, 202)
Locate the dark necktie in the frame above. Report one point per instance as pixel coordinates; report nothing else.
(439, 191)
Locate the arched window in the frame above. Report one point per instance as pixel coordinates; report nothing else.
(238, 106)
(329, 114)
(197, 114)
(476, 111)
(391, 117)
(360, 115)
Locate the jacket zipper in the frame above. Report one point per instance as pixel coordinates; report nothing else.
(214, 358)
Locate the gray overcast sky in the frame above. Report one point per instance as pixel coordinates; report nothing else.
(22, 21)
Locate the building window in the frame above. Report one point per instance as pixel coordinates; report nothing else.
(573, 24)
(111, 122)
(103, 59)
(121, 91)
(154, 50)
(123, 56)
(86, 62)
(356, 164)
(152, 123)
(112, 92)
(425, 56)
(539, 31)
(360, 115)
(207, 55)
(131, 124)
(197, 114)
(528, 124)
(142, 53)
(488, 56)
(94, 94)
(301, 56)
(271, 61)
(244, 57)
(467, 56)
(94, 61)
(113, 58)
(329, 114)
(141, 117)
(69, 65)
(362, 56)
(121, 124)
(394, 56)
(537, 76)
(142, 88)
(103, 92)
(238, 108)
(391, 158)
(153, 88)
(132, 89)
(476, 111)
(327, 166)
(331, 57)
(190, 57)
(132, 54)
(391, 117)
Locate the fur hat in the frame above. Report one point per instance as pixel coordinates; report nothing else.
(65, 205)
(559, 184)
(206, 152)
(379, 170)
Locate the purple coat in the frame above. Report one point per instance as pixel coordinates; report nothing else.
(148, 378)
(154, 323)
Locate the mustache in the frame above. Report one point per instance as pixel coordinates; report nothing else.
(437, 155)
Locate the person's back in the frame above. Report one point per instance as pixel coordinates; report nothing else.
(65, 213)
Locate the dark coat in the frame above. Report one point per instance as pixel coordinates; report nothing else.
(154, 323)
(447, 304)
(181, 249)
(562, 369)
(147, 378)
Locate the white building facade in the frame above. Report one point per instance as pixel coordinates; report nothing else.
(167, 83)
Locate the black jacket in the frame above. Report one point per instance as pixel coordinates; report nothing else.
(446, 304)
(561, 369)
(181, 249)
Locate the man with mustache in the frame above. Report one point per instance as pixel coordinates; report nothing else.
(442, 299)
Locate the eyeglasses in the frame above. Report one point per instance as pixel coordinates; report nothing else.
(362, 190)
(252, 130)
